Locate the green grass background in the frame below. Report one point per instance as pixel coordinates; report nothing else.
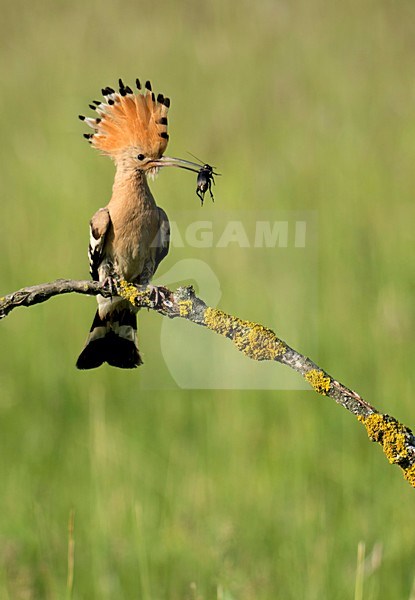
(210, 494)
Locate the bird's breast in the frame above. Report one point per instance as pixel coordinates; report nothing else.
(133, 236)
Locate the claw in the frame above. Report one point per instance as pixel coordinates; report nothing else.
(109, 283)
(160, 295)
(155, 294)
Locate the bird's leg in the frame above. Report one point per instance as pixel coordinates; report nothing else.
(110, 280)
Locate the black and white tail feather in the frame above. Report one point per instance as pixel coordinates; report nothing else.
(112, 339)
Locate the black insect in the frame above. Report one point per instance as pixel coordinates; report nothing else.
(204, 180)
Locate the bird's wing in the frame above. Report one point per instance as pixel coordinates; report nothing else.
(98, 228)
(163, 238)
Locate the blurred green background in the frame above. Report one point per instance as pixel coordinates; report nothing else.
(211, 494)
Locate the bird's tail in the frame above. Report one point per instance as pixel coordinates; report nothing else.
(112, 339)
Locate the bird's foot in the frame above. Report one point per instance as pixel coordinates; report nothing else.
(158, 296)
(110, 285)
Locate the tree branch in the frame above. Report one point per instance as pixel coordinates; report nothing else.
(253, 340)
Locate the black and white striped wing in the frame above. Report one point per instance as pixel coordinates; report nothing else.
(99, 225)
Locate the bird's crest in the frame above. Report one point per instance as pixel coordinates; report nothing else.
(128, 119)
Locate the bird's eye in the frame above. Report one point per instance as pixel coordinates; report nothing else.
(140, 156)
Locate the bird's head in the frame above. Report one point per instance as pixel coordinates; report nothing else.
(131, 128)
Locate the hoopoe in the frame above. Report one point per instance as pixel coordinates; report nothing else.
(130, 236)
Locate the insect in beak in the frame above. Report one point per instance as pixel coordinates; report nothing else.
(204, 172)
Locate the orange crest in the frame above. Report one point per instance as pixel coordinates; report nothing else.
(127, 120)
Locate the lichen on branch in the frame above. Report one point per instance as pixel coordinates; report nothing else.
(252, 339)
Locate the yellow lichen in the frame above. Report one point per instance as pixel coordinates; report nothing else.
(390, 434)
(218, 321)
(255, 341)
(185, 306)
(129, 292)
(409, 474)
(318, 381)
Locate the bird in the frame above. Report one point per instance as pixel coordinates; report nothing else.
(130, 236)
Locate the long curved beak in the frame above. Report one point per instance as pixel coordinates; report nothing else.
(167, 161)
